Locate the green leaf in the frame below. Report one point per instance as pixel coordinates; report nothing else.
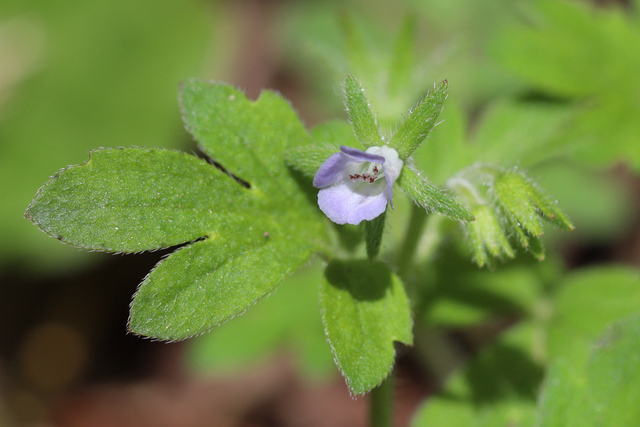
(587, 302)
(253, 232)
(487, 236)
(286, 321)
(456, 294)
(560, 52)
(308, 158)
(431, 197)
(362, 120)
(520, 234)
(327, 139)
(420, 122)
(211, 281)
(364, 310)
(549, 210)
(536, 248)
(102, 91)
(354, 43)
(137, 199)
(524, 134)
(605, 392)
(511, 190)
(447, 152)
(249, 139)
(402, 64)
(507, 204)
(498, 388)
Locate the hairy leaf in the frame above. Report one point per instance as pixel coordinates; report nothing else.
(137, 199)
(420, 122)
(364, 310)
(363, 122)
(327, 139)
(431, 197)
(254, 228)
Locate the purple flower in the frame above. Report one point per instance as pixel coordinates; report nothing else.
(356, 185)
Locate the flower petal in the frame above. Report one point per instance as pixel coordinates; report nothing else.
(331, 171)
(391, 167)
(360, 156)
(344, 206)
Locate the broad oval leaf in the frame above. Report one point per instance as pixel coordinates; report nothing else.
(364, 310)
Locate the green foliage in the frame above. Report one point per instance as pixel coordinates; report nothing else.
(140, 199)
(209, 282)
(362, 120)
(327, 138)
(288, 319)
(420, 122)
(84, 75)
(484, 171)
(587, 302)
(364, 310)
(590, 379)
(487, 236)
(506, 202)
(509, 134)
(460, 296)
(570, 50)
(412, 132)
(497, 388)
(248, 138)
(247, 218)
(373, 235)
(605, 391)
(515, 200)
(137, 199)
(430, 197)
(525, 203)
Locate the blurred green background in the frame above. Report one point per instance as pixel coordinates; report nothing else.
(76, 75)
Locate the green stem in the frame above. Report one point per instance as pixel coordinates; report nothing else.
(373, 235)
(381, 404)
(411, 238)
